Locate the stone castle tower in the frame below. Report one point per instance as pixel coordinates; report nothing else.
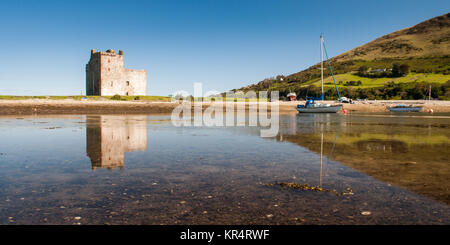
(106, 76)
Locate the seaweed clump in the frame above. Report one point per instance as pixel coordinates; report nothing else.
(306, 187)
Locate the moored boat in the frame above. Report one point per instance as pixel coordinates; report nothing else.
(405, 108)
(311, 106)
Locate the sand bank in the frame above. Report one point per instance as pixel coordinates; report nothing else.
(48, 106)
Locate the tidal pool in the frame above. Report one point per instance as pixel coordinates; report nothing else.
(140, 169)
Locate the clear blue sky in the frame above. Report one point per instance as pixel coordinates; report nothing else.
(222, 44)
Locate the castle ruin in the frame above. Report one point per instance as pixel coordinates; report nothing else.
(107, 76)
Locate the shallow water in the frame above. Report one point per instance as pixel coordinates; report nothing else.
(140, 169)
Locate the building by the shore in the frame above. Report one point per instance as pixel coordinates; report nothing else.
(292, 96)
(107, 76)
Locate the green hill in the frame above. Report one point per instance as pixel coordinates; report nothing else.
(371, 70)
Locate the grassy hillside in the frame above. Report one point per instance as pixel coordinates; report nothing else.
(423, 48)
(346, 79)
(428, 38)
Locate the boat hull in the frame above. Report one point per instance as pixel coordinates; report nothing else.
(405, 109)
(329, 109)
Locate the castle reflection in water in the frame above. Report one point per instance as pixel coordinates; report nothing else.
(108, 137)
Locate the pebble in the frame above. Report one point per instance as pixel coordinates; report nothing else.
(365, 213)
(269, 216)
(77, 218)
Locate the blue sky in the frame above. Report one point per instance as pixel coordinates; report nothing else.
(222, 44)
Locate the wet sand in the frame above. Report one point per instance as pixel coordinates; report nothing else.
(44, 106)
(48, 106)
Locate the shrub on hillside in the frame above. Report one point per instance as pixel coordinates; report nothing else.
(116, 97)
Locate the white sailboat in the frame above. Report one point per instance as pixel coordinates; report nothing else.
(311, 106)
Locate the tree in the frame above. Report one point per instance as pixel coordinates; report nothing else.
(404, 69)
(404, 95)
(396, 70)
(400, 70)
(362, 70)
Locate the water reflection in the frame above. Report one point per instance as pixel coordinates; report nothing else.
(407, 152)
(391, 146)
(108, 137)
(202, 175)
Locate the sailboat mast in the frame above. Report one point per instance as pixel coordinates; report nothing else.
(429, 94)
(321, 61)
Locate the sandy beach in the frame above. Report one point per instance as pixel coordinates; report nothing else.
(49, 106)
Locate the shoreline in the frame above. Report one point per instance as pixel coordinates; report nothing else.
(76, 107)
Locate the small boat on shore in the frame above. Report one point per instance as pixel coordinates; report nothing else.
(405, 108)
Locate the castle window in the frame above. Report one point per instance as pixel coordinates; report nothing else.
(128, 83)
(127, 93)
(112, 84)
